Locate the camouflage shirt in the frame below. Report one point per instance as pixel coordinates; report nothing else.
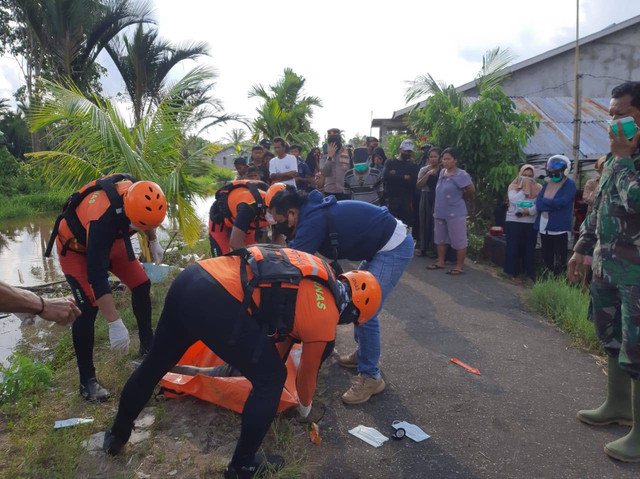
(611, 232)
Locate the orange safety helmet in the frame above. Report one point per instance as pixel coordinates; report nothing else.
(366, 294)
(145, 205)
(271, 192)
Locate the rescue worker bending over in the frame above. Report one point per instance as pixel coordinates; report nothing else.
(92, 238)
(236, 214)
(240, 305)
(356, 231)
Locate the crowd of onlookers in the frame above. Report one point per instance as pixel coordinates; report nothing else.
(425, 188)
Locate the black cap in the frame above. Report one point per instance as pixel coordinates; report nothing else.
(333, 131)
(360, 155)
(241, 160)
(266, 143)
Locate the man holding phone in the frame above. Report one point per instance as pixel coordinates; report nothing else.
(334, 165)
(611, 234)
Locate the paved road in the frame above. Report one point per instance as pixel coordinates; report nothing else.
(517, 420)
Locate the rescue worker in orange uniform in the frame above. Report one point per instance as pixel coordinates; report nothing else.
(249, 308)
(237, 213)
(92, 239)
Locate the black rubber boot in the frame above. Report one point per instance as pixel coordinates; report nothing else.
(617, 407)
(112, 444)
(261, 465)
(92, 391)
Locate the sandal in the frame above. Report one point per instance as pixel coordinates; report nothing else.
(433, 266)
(455, 272)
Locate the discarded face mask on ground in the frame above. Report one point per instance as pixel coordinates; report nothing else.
(410, 430)
(369, 435)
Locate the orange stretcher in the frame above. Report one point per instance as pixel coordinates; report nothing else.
(230, 393)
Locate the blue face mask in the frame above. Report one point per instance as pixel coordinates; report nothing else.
(360, 167)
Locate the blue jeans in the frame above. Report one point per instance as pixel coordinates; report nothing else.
(387, 267)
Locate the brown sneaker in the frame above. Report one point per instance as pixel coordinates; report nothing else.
(362, 388)
(349, 361)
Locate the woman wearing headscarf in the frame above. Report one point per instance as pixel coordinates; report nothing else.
(379, 159)
(521, 214)
(555, 214)
(591, 186)
(427, 181)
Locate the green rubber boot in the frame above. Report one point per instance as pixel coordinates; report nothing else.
(627, 449)
(617, 407)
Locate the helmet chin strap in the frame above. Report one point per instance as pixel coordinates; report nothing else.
(348, 311)
(135, 228)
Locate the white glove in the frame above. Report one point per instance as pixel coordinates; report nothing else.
(157, 253)
(304, 410)
(119, 337)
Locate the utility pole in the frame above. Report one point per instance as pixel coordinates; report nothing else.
(370, 124)
(577, 119)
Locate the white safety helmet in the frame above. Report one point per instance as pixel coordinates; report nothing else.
(558, 164)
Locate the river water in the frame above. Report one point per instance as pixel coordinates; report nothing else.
(23, 242)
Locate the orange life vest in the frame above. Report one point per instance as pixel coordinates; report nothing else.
(89, 204)
(225, 209)
(270, 276)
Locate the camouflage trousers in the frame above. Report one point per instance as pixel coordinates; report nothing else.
(616, 316)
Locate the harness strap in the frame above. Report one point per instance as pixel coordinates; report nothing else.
(247, 302)
(117, 205)
(333, 242)
(54, 234)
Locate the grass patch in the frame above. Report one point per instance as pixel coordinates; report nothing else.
(29, 446)
(566, 306)
(22, 379)
(34, 203)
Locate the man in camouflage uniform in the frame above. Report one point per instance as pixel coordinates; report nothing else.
(611, 234)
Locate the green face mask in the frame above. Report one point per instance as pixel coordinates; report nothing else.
(360, 167)
(556, 179)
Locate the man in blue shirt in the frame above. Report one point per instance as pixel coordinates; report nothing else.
(304, 178)
(356, 231)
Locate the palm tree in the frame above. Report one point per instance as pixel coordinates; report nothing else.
(4, 107)
(144, 63)
(286, 112)
(71, 33)
(495, 64)
(238, 138)
(426, 85)
(95, 140)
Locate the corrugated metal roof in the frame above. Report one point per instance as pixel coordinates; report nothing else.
(555, 135)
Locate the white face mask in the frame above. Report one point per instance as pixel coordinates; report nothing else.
(134, 228)
(269, 218)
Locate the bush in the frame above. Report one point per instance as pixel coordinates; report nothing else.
(23, 378)
(34, 203)
(567, 307)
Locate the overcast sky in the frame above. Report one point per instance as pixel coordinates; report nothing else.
(357, 55)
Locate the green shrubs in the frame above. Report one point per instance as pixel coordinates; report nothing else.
(23, 378)
(567, 307)
(31, 204)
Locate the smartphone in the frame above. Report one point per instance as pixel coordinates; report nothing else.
(629, 127)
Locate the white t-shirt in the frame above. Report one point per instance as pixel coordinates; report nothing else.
(284, 165)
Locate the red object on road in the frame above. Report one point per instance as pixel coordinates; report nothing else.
(314, 434)
(496, 230)
(468, 368)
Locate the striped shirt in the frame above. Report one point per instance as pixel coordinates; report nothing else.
(363, 187)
